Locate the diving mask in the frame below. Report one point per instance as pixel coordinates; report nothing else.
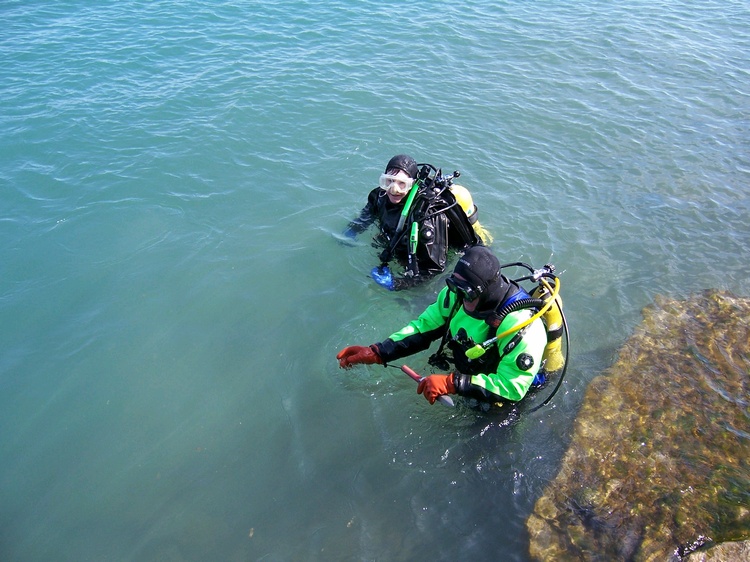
(396, 185)
(462, 289)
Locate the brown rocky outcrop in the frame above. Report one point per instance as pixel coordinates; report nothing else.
(659, 462)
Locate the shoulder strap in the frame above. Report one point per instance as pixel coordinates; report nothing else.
(401, 230)
(515, 340)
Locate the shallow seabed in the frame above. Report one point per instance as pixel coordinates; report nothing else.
(173, 291)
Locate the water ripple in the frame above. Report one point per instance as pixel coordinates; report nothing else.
(175, 176)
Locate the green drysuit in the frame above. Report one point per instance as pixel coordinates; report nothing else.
(485, 379)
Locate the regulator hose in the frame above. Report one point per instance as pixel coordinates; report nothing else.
(479, 349)
(528, 302)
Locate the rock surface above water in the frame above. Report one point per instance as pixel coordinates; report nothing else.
(659, 462)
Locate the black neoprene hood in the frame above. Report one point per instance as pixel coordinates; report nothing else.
(479, 267)
(403, 162)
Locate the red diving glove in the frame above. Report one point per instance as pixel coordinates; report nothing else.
(356, 354)
(436, 385)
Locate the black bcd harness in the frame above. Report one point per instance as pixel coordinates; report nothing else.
(433, 201)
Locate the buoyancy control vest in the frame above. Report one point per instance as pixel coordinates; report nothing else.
(470, 357)
(460, 343)
(434, 221)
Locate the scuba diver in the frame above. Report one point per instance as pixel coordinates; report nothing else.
(420, 213)
(519, 334)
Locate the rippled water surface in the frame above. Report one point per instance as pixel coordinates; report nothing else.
(173, 292)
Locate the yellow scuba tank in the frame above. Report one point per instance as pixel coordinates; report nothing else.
(463, 197)
(553, 359)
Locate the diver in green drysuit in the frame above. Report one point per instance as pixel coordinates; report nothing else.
(464, 314)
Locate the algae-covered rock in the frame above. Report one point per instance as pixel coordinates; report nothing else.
(659, 462)
(724, 552)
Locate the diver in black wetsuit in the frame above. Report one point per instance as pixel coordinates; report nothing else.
(420, 217)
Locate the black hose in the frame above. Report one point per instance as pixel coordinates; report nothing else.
(518, 264)
(519, 305)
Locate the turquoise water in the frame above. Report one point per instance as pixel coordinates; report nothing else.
(173, 293)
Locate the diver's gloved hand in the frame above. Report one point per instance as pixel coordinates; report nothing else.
(357, 354)
(436, 385)
(346, 238)
(383, 277)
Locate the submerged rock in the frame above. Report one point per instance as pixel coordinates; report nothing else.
(659, 462)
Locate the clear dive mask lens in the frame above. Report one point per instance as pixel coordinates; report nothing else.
(395, 185)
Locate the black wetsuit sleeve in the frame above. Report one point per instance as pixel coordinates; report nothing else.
(367, 215)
